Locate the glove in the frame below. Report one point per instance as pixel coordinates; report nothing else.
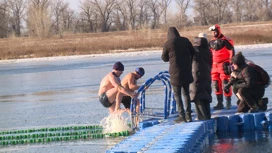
(227, 68)
(227, 89)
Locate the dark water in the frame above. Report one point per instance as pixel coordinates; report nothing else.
(63, 91)
(250, 142)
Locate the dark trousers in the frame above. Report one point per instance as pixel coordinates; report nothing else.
(249, 96)
(187, 101)
(203, 109)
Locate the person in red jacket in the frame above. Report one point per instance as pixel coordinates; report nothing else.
(222, 49)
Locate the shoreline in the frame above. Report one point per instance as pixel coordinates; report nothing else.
(116, 54)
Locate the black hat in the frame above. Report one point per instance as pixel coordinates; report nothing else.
(140, 71)
(118, 66)
(238, 59)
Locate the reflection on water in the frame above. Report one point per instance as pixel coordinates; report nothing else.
(250, 142)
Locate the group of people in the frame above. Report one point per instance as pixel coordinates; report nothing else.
(194, 69)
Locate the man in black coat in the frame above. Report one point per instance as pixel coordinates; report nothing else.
(248, 89)
(178, 51)
(200, 89)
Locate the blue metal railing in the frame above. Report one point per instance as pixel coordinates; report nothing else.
(169, 100)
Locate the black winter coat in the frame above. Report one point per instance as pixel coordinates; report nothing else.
(179, 52)
(201, 89)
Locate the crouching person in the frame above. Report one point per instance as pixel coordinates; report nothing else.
(245, 84)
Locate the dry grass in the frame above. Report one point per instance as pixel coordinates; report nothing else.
(80, 44)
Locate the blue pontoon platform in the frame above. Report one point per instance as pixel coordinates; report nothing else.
(159, 134)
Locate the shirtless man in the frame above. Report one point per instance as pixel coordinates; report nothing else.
(130, 82)
(111, 91)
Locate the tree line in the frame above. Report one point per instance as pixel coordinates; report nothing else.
(45, 18)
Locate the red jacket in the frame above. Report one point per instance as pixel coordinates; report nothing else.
(222, 49)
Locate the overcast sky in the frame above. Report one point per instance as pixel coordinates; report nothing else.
(73, 4)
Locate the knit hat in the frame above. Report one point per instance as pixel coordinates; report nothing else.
(239, 59)
(118, 66)
(140, 71)
(202, 35)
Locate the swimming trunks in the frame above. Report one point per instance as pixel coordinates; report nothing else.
(126, 101)
(103, 98)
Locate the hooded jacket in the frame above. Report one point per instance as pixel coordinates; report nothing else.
(201, 89)
(178, 51)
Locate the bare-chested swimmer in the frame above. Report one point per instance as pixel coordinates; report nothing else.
(111, 91)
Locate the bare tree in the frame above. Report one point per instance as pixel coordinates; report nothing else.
(237, 7)
(39, 19)
(121, 16)
(58, 8)
(143, 13)
(132, 10)
(182, 7)
(4, 15)
(104, 9)
(222, 7)
(154, 6)
(17, 10)
(69, 19)
(250, 9)
(88, 14)
(164, 5)
(264, 10)
(202, 11)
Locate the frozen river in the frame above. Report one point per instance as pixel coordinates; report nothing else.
(62, 91)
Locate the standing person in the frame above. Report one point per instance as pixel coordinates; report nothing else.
(111, 91)
(200, 89)
(130, 82)
(178, 51)
(222, 49)
(249, 91)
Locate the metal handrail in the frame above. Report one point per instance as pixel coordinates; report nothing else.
(169, 103)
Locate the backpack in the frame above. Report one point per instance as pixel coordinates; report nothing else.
(262, 74)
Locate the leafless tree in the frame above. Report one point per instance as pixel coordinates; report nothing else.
(237, 7)
(4, 15)
(104, 9)
(154, 6)
(264, 10)
(202, 11)
(59, 7)
(88, 15)
(182, 8)
(39, 19)
(132, 11)
(69, 19)
(143, 13)
(221, 7)
(164, 5)
(17, 11)
(121, 16)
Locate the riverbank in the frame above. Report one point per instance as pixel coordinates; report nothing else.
(123, 41)
(116, 54)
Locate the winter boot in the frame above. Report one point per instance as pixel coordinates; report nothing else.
(228, 103)
(254, 109)
(180, 118)
(189, 117)
(262, 103)
(219, 102)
